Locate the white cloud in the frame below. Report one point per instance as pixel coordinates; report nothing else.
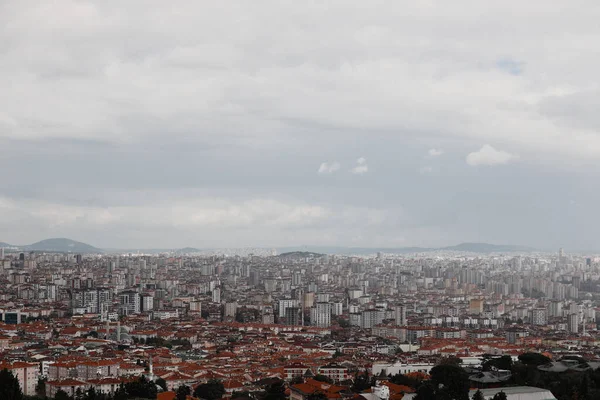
(487, 155)
(425, 170)
(194, 219)
(435, 152)
(361, 166)
(329, 168)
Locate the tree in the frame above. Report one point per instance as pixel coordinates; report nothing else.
(425, 392)
(91, 394)
(500, 396)
(478, 396)
(361, 383)
(62, 395)
(162, 383)
(450, 381)
(296, 380)
(40, 388)
(451, 360)
(534, 359)
(316, 396)
(275, 391)
(212, 390)
(120, 393)
(183, 392)
(504, 362)
(322, 378)
(141, 388)
(9, 386)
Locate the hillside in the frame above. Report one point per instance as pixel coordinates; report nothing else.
(62, 245)
(489, 248)
(2, 244)
(300, 254)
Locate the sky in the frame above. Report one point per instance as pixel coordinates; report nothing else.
(146, 123)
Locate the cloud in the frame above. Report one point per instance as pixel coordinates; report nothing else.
(329, 168)
(487, 155)
(435, 152)
(361, 167)
(195, 219)
(425, 170)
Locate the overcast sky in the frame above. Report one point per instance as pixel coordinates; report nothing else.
(272, 123)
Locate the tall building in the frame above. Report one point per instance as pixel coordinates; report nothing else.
(538, 316)
(297, 278)
(370, 318)
(129, 302)
(292, 316)
(230, 309)
(286, 303)
(573, 323)
(320, 315)
(216, 295)
(254, 277)
(400, 315)
(147, 302)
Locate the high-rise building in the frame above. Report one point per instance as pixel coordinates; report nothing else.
(538, 316)
(320, 315)
(216, 295)
(292, 316)
(286, 303)
(296, 278)
(129, 302)
(573, 323)
(147, 302)
(230, 309)
(370, 318)
(400, 315)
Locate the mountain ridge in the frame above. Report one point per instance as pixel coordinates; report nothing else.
(62, 245)
(72, 246)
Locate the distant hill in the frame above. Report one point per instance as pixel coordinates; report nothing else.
(463, 247)
(2, 244)
(62, 245)
(188, 250)
(489, 248)
(300, 254)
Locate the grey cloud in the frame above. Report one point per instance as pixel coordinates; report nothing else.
(110, 105)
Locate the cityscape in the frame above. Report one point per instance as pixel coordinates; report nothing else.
(298, 325)
(299, 200)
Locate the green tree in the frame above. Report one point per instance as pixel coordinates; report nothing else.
(534, 359)
(450, 382)
(9, 386)
(92, 395)
(361, 382)
(141, 388)
(212, 390)
(40, 388)
(162, 383)
(425, 392)
(62, 395)
(451, 360)
(296, 380)
(322, 378)
(275, 391)
(183, 392)
(500, 396)
(316, 396)
(478, 396)
(120, 393)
